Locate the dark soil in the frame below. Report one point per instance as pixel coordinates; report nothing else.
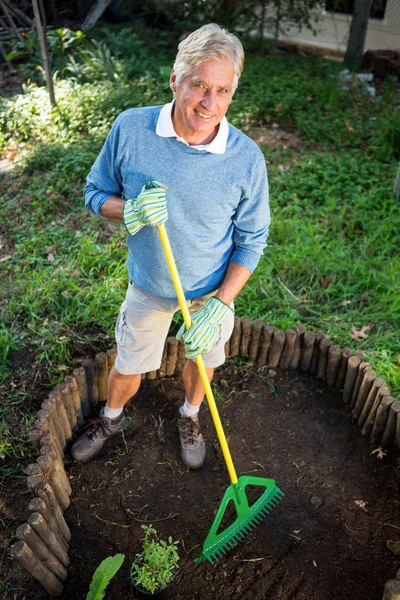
(326, 540)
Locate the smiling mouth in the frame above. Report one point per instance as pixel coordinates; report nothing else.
(202, 115)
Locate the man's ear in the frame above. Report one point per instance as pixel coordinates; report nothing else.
(172, 81)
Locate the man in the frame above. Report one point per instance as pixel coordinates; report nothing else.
(213, 197)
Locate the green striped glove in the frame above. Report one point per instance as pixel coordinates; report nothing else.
(149, 208)
(199, 338)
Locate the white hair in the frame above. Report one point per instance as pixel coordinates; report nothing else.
(209, 42)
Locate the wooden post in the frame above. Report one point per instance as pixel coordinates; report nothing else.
(57, 477)
(36, 568)
(26, 534)
(323, 358)
(288, 348)
(62, 414)
(351, 376)
(101, 369)
(44, 489)
(76, 399)
(235, 337)
(163, 367)
(172, 355)
(370, 420)
(275, 351)
(39, 524)
(67, 400)
(91, 382)
(111, 356)
(308, 351)
(365, 388)
(369, 402)
(389, 433)
(255, 338)
(39, 505)
(265, 343)
(45, 51)
(398, 431)
(181, 361)
(319, 336)
(55, 428)
(245, 338)
(333, 362)
(80, 378)
(341, 376)
(364, 366)
(295, 360)
(380, 420)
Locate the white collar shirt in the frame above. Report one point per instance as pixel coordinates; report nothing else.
(165, 128)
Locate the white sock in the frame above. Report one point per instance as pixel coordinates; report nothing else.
(188, 409)
(111, 413)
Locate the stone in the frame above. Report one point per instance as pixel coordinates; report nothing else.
(393, 546)
(316, 501)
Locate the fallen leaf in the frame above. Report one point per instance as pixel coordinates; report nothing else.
(380, 452)
(325, 281)
(50, 257)
(349, 127)
(6, 257)
(359, 335)
(360, 503)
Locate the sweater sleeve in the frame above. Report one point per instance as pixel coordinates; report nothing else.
(252, 219)
(104, 179)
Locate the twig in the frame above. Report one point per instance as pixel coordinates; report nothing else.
(237, 559)
(167, 518)
(112, 522)
(287, 290)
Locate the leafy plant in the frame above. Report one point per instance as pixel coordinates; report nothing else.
(103, 575)
(154, 567)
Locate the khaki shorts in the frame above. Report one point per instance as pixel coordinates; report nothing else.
(142, 327)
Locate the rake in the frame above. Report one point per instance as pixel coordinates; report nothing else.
(217, 543)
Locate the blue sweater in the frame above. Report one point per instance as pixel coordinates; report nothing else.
(217, 203)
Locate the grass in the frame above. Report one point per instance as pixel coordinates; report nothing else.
(332, 260)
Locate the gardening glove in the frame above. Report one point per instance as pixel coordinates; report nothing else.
(149, 208)
(199, 338)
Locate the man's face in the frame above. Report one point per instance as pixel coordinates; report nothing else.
(202, 99)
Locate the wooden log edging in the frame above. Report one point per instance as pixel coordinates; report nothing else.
(43, 541)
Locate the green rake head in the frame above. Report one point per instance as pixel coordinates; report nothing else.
(247, 517)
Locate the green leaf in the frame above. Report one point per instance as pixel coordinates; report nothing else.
(12, 55)
(103, 575)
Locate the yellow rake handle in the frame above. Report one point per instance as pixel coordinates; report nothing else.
(199, 359)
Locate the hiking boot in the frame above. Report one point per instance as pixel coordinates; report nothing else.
(97, 433)
(193, 448)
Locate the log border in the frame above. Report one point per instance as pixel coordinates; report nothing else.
(43, 540)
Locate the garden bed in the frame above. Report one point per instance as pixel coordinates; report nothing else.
(325, 540)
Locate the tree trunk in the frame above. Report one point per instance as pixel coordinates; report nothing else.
(45, 51)
(397, 186)
(277, 20)
(262, 23)
(358, 32)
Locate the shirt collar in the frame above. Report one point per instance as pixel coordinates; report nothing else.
(165, 128)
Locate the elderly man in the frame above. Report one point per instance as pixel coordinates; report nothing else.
(210, 188)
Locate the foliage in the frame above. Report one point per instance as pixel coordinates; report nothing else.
(154, 567)
(103, 575)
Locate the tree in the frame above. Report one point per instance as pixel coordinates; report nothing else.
(358, 32)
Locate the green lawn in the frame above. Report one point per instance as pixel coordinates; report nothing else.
(333, 256)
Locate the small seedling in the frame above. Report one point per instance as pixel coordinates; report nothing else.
(155, 566)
